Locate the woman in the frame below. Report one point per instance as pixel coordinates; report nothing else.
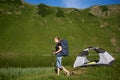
(59, 57)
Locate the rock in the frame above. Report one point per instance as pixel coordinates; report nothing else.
(9, 13)
(17, 12)
(96, 11)
(104, 24)
(100, 11)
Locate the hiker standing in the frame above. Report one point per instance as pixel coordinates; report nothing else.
(58, 54)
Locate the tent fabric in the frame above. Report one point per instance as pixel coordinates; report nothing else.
(104, 58)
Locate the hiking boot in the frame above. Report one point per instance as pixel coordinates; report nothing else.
(68, 74)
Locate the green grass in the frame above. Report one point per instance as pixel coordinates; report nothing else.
(47, 73)
(27, 39)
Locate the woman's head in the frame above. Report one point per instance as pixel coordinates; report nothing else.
(57, 39)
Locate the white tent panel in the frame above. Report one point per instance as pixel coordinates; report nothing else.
(105, 58)
(80, 61)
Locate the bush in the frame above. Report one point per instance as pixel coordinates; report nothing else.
(15, 2)
(104, 8)
(43, 10)
(59, 13)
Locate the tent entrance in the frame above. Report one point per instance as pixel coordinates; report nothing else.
(93, 57)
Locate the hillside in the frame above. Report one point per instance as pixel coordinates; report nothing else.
(27, 31)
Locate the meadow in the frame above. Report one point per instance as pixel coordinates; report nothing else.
(47, 73)
(27, 38)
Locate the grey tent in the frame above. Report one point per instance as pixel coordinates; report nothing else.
(104, 58)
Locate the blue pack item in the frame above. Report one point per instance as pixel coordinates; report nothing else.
(65, 47)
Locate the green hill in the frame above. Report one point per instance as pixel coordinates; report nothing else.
(27, 31)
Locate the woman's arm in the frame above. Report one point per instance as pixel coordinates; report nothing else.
(60, 49)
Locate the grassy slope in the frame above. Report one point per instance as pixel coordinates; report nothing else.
(26, 38)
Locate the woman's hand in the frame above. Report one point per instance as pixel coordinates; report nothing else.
(54, 52)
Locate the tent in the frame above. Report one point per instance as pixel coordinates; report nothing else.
(104, 58)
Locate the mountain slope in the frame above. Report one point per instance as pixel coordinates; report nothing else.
(27, 31)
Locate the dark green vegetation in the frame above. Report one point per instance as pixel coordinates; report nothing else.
(27, 33)
(46, 73)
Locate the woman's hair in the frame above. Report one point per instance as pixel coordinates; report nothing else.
(58, 38)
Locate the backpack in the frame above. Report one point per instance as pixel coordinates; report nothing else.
(64, 44)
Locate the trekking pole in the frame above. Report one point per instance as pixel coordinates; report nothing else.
(53, 61)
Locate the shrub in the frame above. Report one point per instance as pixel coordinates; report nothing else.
(59, 13)
(43, 10)
(104, 8)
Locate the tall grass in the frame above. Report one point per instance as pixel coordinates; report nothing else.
(47, 73)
